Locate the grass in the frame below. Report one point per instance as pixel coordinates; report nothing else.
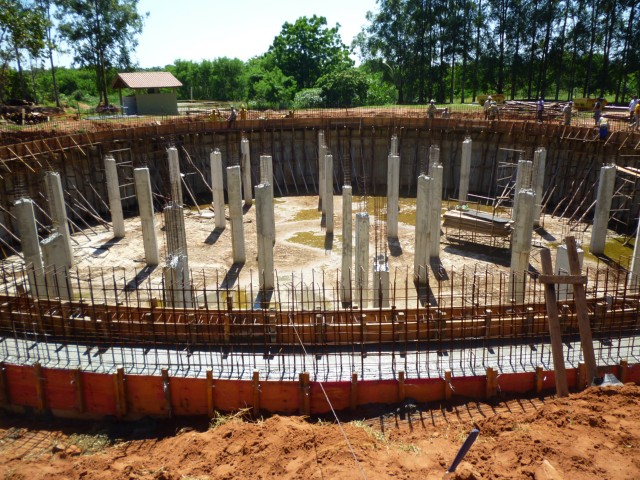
(380, 437)
(219, 419)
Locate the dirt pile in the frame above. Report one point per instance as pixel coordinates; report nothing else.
(592, 434)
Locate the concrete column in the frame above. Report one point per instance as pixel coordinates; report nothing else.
(606, 184)
(362, 258)
(435, 207)
(393, 190)
(175, 230)
(380, 282)
(246, 171)
(421, 236)
(322, 151)
(144, 196)
(56, 270)
(634, 268)
(266, 235)
(347, 243)
(394, 146)
(217, 185)
(113, 192)
(521, 243)
(539, 166)
(28, 232)
(523, 181)
(234, 191)
(175, 177)
(58, 211)
(177, 282)
(266, 176)
(465, 170)
(327, 205)
(565, 291)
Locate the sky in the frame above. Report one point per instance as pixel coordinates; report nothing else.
(207, 29)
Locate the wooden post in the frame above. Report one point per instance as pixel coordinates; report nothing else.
(78, 384)
(491, 385)
(353, 396)
(4, 392)
(37, 371)
(120, 393)
(487, 322)
(562, 389)
(227, 328)
(401, 389)
(580, 298)
(210, 405)
(305, 393)
(447, 385)
(256, 393)
(624, 370)
(539, 379)
(166, 389)
(581, 378)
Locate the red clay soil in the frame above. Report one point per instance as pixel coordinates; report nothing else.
(594, 434)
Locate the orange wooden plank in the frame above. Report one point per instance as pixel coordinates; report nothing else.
(229, 395)
(517, 382)
(424, 389)
(470, 387)
(281, 397)
(145, 395)
(21, 385)
(59, 389)
(338, 393)
(99, 395)
(377, 391)
(188, 396)
(633, 373)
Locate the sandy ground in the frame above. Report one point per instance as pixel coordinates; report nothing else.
(594, 434)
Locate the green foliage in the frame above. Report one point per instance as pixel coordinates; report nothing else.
(267, 85)
(220, 79)
(309, 98)
(307, 49)
(344, 88)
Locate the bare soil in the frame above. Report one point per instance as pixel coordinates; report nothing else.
(594, 434)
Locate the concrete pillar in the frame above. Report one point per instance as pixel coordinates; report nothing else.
(521, 243)
(327, 205)
(394, 146)
(266, 235)
(266, 176)
(465, 170)
(175, 230)
(523, 181)
(362, 258)
(234, 190)
(58, 211)
(634, 268)
(565, 291)
(28, 232)
(177, 282)
(347, 243)
(144, 196)
(393, 190)
(380, 282)
(113, 192)
(245, 151)
(435, 207)
(217, 185)
(606, 184)
(322, 151)
(56, 270)
(539, 166)
(421, 236)
(175, 177)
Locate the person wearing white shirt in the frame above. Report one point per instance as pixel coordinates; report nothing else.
(632, 107)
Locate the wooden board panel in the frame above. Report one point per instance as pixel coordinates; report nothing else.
(59, 389)
(229, 395)
(425, 389)
(99, 393)
(377, 391)
(21, 385)
(338, 393)
(188, 396)
(145, 395)
(281, 397)
(517, 382)
(469, 387)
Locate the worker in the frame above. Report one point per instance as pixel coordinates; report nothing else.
(232, 117)
(567, 111)
(597, 112)
(540, 109)
(636, 116)
(487, 106)
(494, 111)
(445, 113)
(603, 127)
(632, 107)
(431, 111)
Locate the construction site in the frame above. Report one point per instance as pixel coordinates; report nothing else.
(314, 265)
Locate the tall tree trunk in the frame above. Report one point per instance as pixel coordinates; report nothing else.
(562, 42)
(23, 88)
(532, 50)
(622, 80)
(476, 62)
(608, 40)
(587, 83)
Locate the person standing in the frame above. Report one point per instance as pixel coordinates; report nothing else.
(487, 106)
(632, 107)
(597, 112)
(232, 117)
(431, 111)
(636, 115)
(567, 111)
(540, 109)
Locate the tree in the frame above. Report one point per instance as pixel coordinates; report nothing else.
(344, 88)
(267, 85)
(102, 34)
(307, 49)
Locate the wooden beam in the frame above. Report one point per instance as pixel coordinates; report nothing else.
(568, 279)
(580, 298)
(562, 389)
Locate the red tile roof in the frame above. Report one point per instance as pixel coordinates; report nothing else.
(145, 80)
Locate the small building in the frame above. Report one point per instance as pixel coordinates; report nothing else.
(148, 98)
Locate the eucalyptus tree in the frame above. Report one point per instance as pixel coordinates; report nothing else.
(102, 34)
